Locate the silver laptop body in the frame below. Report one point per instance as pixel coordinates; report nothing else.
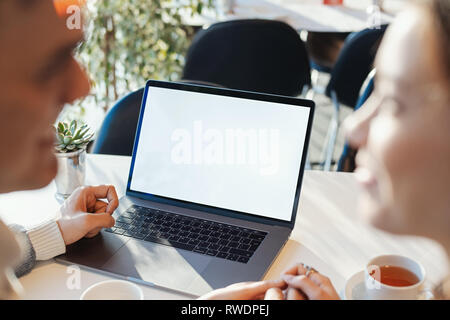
(233, 196)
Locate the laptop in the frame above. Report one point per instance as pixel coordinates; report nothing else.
(213, 189)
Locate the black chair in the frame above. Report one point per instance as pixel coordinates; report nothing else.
(253, 55)
(116, 135)
(352, 67)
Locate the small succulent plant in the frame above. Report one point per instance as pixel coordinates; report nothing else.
(69, 138)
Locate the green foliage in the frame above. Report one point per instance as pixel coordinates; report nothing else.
(131, 41)
(69, 139)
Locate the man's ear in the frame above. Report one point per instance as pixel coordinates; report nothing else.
(10, 254)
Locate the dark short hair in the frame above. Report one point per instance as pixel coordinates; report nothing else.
(27, 3)
(441, 11)
(21, 4)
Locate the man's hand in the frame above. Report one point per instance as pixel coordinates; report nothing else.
(312, 286)
(83, 214)
(245, 290)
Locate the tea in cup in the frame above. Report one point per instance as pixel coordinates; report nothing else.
(393, 277)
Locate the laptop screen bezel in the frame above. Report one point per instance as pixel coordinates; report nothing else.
(230, 93)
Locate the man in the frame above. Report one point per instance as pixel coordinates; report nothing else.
(38, 76)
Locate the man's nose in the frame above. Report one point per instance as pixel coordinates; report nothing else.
(78, 84)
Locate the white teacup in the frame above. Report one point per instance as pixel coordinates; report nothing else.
(113, 290)
(379, 291)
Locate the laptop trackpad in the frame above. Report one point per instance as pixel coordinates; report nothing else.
(162, 265)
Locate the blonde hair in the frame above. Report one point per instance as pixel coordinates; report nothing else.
(440, 11)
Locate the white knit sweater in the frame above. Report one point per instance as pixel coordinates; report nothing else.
(42, 242)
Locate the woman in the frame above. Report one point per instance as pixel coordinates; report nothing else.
(403, 137)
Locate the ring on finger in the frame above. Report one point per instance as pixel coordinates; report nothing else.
(309, 271)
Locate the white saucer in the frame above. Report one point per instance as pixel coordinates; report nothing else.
(355, 288)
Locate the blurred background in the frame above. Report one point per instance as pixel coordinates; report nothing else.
(131, 41)
(127, 43)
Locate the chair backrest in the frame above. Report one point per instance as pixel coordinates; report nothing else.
(254, 55)
(347, 160)
(367, 89)
(354, 64)
(116, 135)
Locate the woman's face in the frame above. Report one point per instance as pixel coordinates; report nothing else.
(403, 133)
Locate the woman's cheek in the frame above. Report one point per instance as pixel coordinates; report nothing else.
(406, 179)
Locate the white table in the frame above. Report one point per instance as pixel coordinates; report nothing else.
(327, 233)
(309, 15)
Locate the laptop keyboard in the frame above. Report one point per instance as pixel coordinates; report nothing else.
(197, 235)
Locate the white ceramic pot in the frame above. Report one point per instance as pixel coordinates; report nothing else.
(71, 172)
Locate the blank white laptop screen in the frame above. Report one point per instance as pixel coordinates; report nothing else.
(226, 152)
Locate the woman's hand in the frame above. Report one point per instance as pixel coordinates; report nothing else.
(83, 214)
(304, 285)
(247, 291)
